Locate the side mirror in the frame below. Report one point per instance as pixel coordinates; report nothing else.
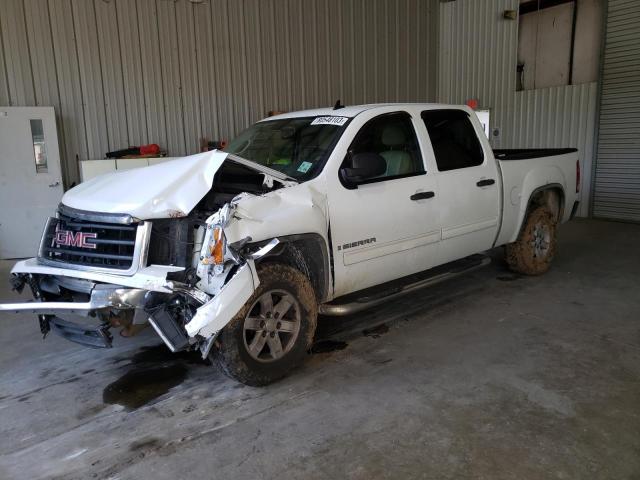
(363, 167)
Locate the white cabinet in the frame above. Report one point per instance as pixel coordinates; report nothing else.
(92, 168)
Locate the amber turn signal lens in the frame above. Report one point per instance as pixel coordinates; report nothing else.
(217, 251)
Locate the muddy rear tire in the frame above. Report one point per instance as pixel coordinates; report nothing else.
(535, 247)
(272, 333)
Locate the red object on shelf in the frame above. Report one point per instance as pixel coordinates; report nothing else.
(151, 149)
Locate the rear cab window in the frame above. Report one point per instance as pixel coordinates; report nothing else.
(453, 138)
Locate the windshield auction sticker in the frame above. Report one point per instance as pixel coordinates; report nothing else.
(304, 167)
(338, 121)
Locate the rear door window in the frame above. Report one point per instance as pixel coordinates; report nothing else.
(453, 138)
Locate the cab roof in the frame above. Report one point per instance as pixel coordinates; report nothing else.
(354, 110)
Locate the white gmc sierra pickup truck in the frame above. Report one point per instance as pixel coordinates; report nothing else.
(329, 211)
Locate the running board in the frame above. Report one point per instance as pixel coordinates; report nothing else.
(358, 301)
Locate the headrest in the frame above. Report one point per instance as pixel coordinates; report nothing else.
(393, 136)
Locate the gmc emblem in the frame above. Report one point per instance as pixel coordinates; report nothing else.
(65, 238)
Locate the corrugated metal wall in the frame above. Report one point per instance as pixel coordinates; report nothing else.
(477, 59)
(129, 72)
(617, 182)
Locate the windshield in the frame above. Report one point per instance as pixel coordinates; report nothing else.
(297, 147)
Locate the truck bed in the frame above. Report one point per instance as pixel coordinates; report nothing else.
(527, 153)
(535, 168)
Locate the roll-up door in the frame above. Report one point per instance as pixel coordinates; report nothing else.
(617, 179)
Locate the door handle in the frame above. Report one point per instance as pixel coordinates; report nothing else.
(53, 185)
(485, 183)
(422, 195)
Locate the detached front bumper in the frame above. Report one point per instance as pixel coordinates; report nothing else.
(148, 293)
(88, 297)
(153, 277)
(101, 298)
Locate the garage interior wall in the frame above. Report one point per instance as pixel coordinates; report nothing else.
(477, 58)
(131, 72)
(617, 177)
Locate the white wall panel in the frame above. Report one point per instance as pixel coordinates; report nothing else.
(72, 138)
(129, 72)
(238, 65)
(206, 71)
(171, 76)
(152, 78)
(16, 53)
(111, 74)
(267, 46)
(91, 77)
(133, 80)
(189, 65)
(223, 72)
(41, 51)
(4, 84)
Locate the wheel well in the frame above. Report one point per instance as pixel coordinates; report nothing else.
(308, 254)
(550, 196)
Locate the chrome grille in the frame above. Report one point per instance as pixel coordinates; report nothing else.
(90, 244)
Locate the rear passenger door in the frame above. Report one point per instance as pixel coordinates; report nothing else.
(468, 184)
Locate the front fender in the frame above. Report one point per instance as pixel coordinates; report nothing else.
(288, 211)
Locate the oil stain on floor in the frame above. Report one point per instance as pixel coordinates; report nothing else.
(140, 386)
(153, 371)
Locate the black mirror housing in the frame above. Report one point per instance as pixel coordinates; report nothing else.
(364, 166)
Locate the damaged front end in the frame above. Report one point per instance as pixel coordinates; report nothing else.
(185, 315)
(226, 277)
(99, 271)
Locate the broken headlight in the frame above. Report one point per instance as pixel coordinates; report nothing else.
(215, 248)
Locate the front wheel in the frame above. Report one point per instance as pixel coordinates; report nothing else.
(271, 334)
(535, 247)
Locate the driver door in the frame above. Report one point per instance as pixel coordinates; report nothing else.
(384, 227)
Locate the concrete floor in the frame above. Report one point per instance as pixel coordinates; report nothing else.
(490, 376)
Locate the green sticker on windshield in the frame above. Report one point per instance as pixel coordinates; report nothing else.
(304, 167)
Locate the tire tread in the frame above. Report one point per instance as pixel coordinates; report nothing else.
(229, 357)
(519, 254)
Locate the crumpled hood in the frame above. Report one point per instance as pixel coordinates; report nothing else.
(169, 189)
